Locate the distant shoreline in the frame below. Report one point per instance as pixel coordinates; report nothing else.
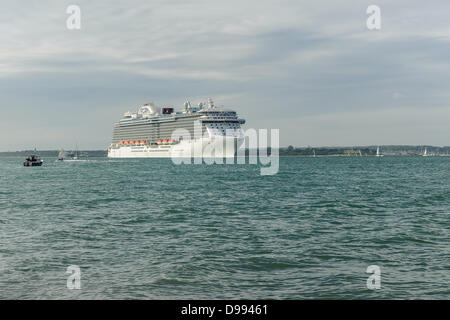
(51, 153)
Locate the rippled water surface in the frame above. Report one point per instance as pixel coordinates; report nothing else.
(148, 229)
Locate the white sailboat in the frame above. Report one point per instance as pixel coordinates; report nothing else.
(425, 153)
(62, 155)
(378, 152)
(75, 155)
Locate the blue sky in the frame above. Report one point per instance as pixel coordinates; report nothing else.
(311, 69)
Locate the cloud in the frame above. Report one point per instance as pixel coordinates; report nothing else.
(279, 60)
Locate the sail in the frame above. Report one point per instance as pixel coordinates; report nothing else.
(62, 154)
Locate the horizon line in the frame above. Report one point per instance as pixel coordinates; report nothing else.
(281, 147)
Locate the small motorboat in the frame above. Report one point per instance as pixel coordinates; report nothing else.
(33, 161)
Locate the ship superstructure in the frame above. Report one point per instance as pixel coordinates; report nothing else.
(150, 131)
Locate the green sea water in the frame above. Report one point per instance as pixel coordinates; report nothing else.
(149, 229)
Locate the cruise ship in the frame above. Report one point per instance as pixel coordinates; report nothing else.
(154, 132)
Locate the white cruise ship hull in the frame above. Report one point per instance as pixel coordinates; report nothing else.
(214, 147)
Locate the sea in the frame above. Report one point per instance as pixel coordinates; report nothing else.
(149, 229)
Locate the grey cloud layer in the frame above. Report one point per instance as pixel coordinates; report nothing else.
(279, 63)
